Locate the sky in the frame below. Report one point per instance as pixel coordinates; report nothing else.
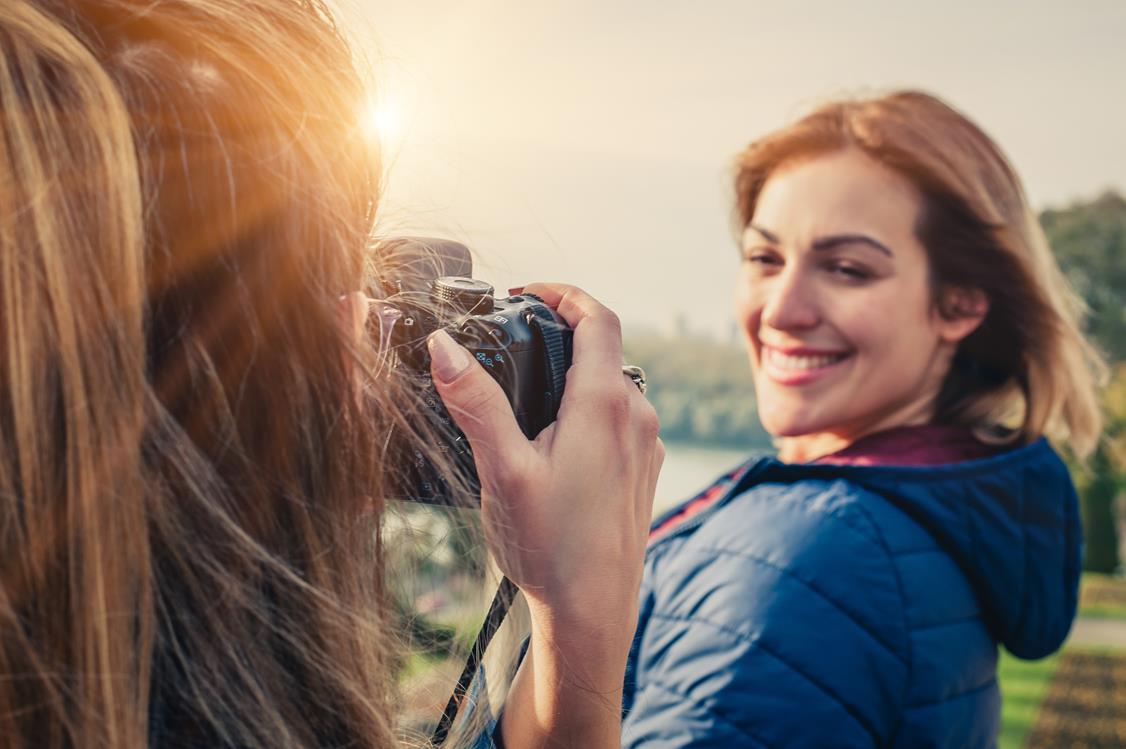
(591, 142)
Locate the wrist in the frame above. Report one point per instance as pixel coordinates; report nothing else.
(585, 623)
(568, 691)
(581, 649)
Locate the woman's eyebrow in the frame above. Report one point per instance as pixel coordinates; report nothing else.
(768, 236)
(828, 243)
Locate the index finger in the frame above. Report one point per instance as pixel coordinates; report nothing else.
(597, 353)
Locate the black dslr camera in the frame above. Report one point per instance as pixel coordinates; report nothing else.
(427, 284)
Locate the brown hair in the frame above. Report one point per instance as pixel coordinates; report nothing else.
(189, 495)
(1027, 370)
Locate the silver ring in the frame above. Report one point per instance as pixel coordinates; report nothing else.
(637, 374)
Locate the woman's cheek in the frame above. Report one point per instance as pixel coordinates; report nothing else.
(747, 320)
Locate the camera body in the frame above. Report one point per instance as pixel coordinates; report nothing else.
(520, 341)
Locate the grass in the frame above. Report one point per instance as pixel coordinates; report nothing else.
(1103, 612)
(1023, 685)
(1102, 597)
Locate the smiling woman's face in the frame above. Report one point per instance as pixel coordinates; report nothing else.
(834, 300)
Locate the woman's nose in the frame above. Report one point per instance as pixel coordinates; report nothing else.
(790, 302)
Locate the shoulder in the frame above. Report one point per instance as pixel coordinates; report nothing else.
(795, 526)
(819, 538)
(819, 505)
(788, 590)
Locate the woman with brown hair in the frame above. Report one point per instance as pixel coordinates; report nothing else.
(191, 478)
(912, 342)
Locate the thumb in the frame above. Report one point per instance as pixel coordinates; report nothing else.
(478, 406)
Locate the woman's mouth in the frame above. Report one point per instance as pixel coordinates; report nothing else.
(800, 366)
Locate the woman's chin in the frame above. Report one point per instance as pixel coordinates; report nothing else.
(789, 431)
(783, 423)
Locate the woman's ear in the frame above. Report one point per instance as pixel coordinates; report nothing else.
(961, 311)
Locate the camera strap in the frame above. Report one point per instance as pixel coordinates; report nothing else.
(502, 601)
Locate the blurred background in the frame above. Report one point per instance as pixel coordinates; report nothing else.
(591, 142)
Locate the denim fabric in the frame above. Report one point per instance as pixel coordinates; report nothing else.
(475, 704)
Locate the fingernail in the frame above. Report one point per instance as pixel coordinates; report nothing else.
(516, 290)
(448, 360)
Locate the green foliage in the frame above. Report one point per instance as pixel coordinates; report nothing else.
(1102, 483)
(1099, 490)
(1114, 409)
(701, 389)
(1090, 241)
(1023, 686)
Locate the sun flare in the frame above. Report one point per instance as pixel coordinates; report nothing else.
(382, 121)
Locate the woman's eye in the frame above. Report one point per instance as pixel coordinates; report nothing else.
(761, 257)
(849, 271)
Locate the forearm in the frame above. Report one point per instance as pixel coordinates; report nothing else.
(568, 691)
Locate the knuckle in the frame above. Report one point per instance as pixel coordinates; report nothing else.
(469, 398)
(648, 423)
(615, 406)
(602, 401)
(507, 480)
(473, 405)
(607, 318)
(552, 288)
(567, 289)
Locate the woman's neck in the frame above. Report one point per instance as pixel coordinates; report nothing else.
(806, 448)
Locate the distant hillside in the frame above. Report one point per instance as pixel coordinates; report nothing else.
(701, 389)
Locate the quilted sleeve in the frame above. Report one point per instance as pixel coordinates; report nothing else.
(778, 624)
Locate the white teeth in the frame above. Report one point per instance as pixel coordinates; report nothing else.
(797, 363)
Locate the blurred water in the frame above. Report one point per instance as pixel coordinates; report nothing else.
(689, 468)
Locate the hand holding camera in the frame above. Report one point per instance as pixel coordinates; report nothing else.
(578, 494)
(566, 515)
(566, 475)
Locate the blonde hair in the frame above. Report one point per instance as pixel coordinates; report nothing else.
(1027, 370)
(189, 495)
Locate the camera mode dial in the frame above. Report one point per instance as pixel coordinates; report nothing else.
(465, 295)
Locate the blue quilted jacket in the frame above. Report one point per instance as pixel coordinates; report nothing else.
(848, 606)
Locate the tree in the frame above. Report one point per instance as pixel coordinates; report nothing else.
(1099, 487)
(1089, 239)
(701, 389)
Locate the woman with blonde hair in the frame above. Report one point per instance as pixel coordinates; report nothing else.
(912, 343)
(191, 478)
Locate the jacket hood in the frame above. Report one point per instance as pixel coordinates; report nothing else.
(1010, 522)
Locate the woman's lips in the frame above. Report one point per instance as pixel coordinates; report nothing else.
(800, 366)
